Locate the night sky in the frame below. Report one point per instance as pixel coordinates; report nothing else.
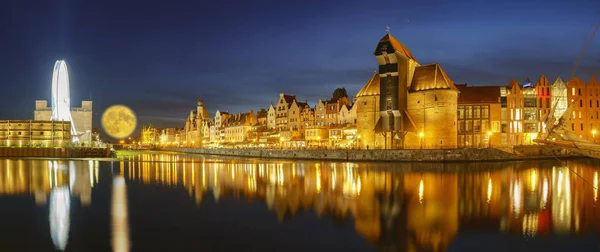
(158, 57)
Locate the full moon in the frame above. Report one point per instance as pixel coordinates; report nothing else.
(119, 121)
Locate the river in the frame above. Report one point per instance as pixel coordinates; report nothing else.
(156, 201)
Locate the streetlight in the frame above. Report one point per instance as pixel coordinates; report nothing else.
(489, 139)
(319, 141)
(421, 137)
(281, 142)
(594, 135)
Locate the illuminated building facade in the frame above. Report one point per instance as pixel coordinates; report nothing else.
(417, 103)
(238, 126)
(544, 102)
(530, 112)
(283, 105)
(512, 114)
(271, 117)
(82, 118)
(150, 135)
(367, 114)
(197, 126)
(34, 133)
(560, 100)
(586, 102)
(478, 116)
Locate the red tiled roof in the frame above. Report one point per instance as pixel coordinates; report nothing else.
(478, 94)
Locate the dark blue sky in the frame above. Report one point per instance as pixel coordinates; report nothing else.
(158, 57)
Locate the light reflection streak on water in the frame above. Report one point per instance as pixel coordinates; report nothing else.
(421, 188)
(59, 211)
(489, 190)
(119, 215)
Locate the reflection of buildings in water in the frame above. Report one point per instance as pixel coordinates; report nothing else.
(60, 208)
(38, 177)
(58, 178)
(423, 209)
(119, 215)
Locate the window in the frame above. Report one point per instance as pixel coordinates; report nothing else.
(573, 91)
(435, 97)
(42, 133)
(580, 103)
(582, 126)
(19, 132)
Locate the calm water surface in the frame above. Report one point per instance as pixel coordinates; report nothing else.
(175, 202)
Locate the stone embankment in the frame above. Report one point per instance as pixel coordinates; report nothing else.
(445, 155)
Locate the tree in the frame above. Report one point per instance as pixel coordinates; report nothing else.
(339, 93)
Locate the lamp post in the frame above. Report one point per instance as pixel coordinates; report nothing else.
(358, 142)
(421, 137)
(489, 139)
(281, 142)
(594, 136)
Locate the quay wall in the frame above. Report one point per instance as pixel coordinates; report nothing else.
(442, 155)
(9, 152)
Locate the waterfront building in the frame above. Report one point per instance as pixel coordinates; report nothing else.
(512, 114)
(213, 133)
(82, 118)
(221, 119)
(592, 102)
(150, 135)
(283, 105)
(560, 100)
(347, 115)
(419, 102)
(168, 136)
(332, 109)
(577, 96)
(320, 112)
(307, 117)
(478, 116)
(294, 115)
(530, 112)
(544, 104)
(35, 133)
(261, 117)
(196, 126)
(316, 136)
(586, 102)
(271, 117)
(367, 114)
(238, 126)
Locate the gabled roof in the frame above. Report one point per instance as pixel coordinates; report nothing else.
(543, 81)
(513, 83)
(302, 104)
(371, 88)
(399, 47)
(593, 81)
(289, 98)
(430, 77)
(475, 94)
